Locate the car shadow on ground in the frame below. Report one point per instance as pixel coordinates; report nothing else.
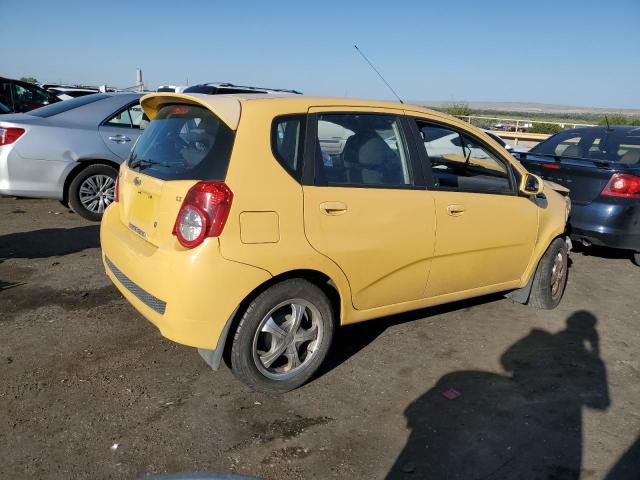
(525, 423)
(601, 252)
(350, 339)
(49, 242)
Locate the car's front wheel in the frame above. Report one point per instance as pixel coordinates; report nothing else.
(92, 191)
(551, 275)
(636, 258)
(283, 336)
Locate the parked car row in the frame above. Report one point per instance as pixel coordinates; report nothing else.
(297, 214)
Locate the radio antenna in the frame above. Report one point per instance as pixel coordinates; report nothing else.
(379, 74)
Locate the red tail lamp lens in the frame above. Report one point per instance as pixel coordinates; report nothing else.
(623, 185)
(203, 214)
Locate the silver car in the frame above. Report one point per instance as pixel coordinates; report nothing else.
(70, 150)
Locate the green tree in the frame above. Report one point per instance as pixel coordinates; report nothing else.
(550, 128)
(29, 79)
(619, 119)
(459, 108)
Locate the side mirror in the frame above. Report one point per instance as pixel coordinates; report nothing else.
(531, 184)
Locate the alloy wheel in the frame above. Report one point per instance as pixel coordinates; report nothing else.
(97, 192)
(287, 339)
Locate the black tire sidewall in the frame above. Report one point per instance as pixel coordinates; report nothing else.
(73, 193)
(242, 362)
(541, 296)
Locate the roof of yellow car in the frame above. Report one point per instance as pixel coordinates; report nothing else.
(229, 106)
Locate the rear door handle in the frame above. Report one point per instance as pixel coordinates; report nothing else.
(333, 208)
(119, 138)
(456, 210)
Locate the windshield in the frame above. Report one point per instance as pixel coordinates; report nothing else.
(65, 106)
(184, 142)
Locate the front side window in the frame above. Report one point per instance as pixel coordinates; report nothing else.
(458, 162)
(184, 142)
(361, 150)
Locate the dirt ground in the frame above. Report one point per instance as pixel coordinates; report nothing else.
(540, 394)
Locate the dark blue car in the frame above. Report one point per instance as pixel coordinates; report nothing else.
(601, 167)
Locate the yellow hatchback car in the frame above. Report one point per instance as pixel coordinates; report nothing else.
(252, 226)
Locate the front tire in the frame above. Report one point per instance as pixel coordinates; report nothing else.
(283, 337)
(636, 258)
(551, 275)
(92, 191)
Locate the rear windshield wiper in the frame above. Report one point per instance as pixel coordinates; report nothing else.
(145, 163)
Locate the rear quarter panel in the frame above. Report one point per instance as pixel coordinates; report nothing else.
(265, 195)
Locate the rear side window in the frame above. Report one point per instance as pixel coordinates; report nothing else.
(361, 150)
(61, 107)
(287, 140)
(184, 142)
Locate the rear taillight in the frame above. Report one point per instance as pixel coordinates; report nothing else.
(203, 213)
(9, 135)
(623, 185)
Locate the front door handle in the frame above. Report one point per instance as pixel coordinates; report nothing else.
(119, 138)
(456, 210)
(333, 208)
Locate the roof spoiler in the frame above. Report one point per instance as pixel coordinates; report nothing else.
(224, 107)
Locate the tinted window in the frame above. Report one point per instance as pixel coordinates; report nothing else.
(184, 142)
(31, 94)
(67, 105)
(5, 94)
(459, 162)
(616, 145)
(361, 149)
(564, 143)
(287, 142)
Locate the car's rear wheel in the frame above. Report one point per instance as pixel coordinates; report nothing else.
(551, 275)
(283, 336)
(92, 191)
(636, 258)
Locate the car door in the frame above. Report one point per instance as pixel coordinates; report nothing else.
(121, 130)
(364, 209)
(485, 231)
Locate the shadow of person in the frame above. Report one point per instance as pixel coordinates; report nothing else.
(525, 424)
(628, 466)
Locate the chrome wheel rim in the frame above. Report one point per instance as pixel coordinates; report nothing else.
(558, 273)
(97, 192)
(287, 339)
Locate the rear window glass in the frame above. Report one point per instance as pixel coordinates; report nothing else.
(596, 144)
(184, 142)
(65, 106)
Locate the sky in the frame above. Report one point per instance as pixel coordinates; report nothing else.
(564, 52)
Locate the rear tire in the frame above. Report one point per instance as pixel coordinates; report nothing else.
(551, 275)
(636, 258)
(283, 337)
(92, 191)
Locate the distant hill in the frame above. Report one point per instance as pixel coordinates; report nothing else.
(536, 108)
